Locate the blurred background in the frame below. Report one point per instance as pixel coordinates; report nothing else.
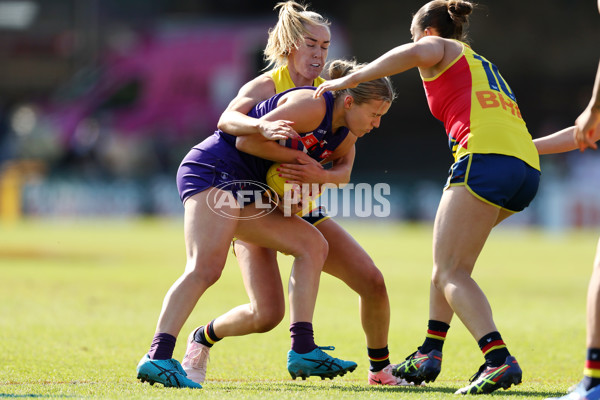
(100, 100)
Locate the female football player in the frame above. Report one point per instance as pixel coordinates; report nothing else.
(495, 174)
(210, 180)
(297, 50)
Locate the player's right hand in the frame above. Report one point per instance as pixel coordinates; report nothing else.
(276, 130)
(587, 129)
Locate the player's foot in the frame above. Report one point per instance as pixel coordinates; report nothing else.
(317, 363)
(580, 393)
(488, 379)
(167, 372)
(419, 367)
(195, 360)
(385, 377)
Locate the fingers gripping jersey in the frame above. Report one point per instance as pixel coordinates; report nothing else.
(479, 110)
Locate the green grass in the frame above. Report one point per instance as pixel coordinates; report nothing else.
(79, 303)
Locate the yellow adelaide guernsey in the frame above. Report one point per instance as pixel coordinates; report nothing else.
(479, 110)
(283, 81)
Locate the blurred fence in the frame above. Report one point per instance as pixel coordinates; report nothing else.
(561, 203)
(106, 97)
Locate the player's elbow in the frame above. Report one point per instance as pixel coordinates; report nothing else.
(346, 179)
(242, 143)
(222, 124)
(342, 181)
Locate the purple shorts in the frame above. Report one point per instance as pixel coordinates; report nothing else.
(200, 170)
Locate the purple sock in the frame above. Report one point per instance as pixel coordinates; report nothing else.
(162, 346)
(302, 337)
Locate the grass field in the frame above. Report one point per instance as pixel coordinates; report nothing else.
(79, 303)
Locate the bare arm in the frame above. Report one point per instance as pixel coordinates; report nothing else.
(235, 121)
(558, 142)
(260, 147)
(342, 168)
(425, 53)
(298, 107)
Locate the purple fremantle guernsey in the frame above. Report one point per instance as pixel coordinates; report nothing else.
(216, 161)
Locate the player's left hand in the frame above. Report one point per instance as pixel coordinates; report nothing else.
(303, 172)
(334, 84)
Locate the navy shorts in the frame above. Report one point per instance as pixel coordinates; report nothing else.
(504, 181)
(316, 216)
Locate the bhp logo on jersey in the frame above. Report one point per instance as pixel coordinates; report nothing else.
(229, 198)
(490, 99)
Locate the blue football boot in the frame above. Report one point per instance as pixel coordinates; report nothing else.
(317, 363)
(580, 393)
(168, 372)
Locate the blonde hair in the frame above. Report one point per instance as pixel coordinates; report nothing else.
(289, 31)
(377, 89)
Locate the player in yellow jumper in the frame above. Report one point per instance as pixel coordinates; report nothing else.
(297, 51)
(495, 174)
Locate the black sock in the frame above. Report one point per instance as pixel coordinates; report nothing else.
(379, 358)
(206, 335)
(494, 349)
(436, 335)
(591, 373)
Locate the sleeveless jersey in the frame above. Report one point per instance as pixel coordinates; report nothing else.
(479, 110)
(283, 81)
(318, 144)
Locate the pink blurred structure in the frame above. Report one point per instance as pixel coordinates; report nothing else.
(174, 82)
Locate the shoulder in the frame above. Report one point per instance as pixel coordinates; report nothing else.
(301, 107)
(305, 98)
(438, 45)
(262, 87)
(438, 53)
(431, 41)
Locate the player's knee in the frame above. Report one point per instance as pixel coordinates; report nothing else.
(439, 278)
(203, 272)
(268, 318)
(443, 276)
(377, 282)
(313, 247)
(438, 281)
(373, 282)
(318, 248)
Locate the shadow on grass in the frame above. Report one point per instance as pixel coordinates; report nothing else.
(359, 388)
(515, 392)
(31, 396)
